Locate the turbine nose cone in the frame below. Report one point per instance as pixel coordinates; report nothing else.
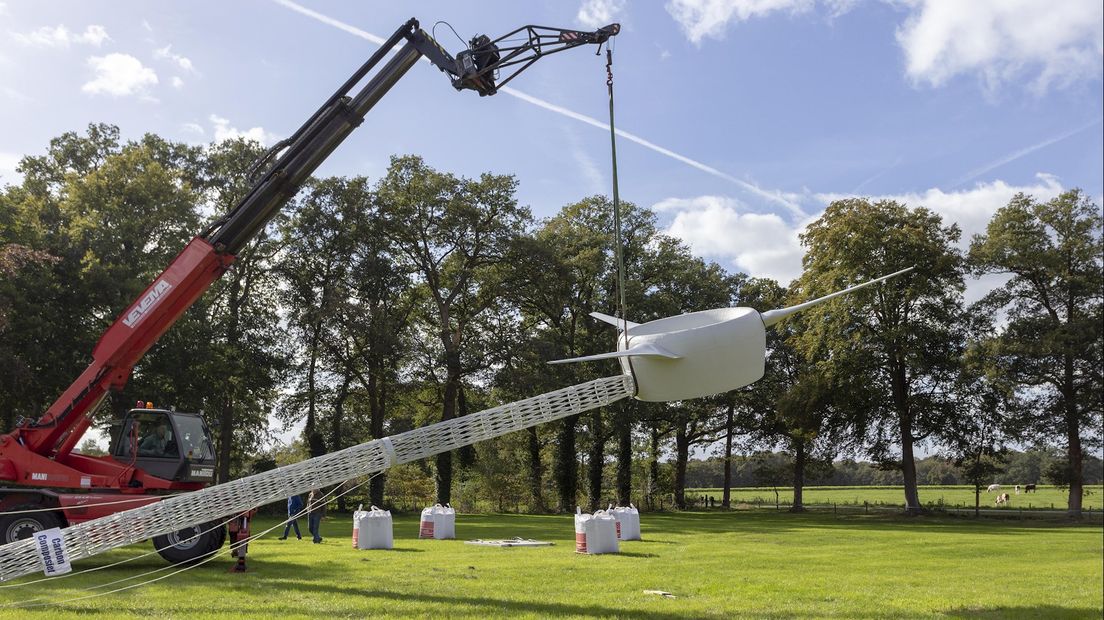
(718, 350)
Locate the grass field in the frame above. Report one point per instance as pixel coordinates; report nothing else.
(733, 564)
(1046, 498)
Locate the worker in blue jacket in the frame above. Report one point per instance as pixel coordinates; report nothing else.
(295, 506)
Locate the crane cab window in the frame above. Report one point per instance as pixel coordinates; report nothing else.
(193, 438)
(147, 434)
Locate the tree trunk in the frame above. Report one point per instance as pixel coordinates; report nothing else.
(566, 467)
(1073, 442)
(682, 456)
(315, 445)
(798, 476)
(535, 473)
(726, 497)
(443, 476)
(226, 416)
(226, 437)
(465, 454)
(375, 424)
(908, 470)
(335, 426)
(596, 461)
(904, 421)
(624, 454)
(653, 468)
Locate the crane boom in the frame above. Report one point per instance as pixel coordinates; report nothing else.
(40, 451)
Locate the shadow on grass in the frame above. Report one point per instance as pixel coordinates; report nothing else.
(492, 606)
(1029, 611)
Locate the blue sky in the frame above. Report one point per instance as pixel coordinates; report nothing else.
(759, 112)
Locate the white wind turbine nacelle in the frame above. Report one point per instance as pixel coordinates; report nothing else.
(700, 353)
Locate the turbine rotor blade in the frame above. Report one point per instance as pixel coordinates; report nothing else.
(640, 350)
(770, 317)
(612, 320)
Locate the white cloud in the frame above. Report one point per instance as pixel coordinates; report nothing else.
(709, 18)
(45, 37)
(119, 75)
(195, 128)
(1054, 42)
(598, 13)
(971, 208)
(836, 8)
(223, 131)
(717, 227)
(8, 162)
(1048, 43)
(166, 53)
(177, 83)
(60, 36)
(93, 35)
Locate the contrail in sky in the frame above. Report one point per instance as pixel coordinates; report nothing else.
(1013, 156)
(773, 196)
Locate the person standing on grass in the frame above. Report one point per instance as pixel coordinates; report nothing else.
(316, 506)
(295, 506)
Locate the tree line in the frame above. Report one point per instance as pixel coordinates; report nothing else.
(369, 307)
(757, 469)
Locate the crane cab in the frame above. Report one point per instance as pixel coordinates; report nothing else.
(168, 444)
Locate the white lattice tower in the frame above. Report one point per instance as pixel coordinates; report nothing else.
(180, 511)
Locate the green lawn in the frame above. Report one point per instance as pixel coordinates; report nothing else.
(718, 564)
(951, 496)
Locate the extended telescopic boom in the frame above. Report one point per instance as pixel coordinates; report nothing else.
(44, 446)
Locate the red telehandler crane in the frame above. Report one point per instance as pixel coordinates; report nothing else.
(155, 452)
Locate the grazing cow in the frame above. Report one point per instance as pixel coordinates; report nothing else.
(1028, 488)
(1017, 489)
(992, 487)
(1002, 499)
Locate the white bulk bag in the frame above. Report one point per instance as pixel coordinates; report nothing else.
(438, 522)
(580, 530)
(426, 526)
(372, 529)
(628, 522)
(358, 514)
(446, 522)
(596, 533)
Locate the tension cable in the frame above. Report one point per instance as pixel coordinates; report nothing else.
(617, 249)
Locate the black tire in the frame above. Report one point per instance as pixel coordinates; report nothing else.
(183, 547)
(217, 544)
(15, 527)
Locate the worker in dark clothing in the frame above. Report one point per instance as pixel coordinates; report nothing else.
(294, 508)
(316, 504)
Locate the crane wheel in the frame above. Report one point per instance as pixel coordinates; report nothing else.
(15, 527)
(185, 546)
